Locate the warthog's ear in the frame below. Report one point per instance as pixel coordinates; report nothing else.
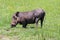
(17, 14)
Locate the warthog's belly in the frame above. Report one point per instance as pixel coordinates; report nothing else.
(30, 21)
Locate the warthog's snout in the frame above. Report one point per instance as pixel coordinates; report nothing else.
(13, 25)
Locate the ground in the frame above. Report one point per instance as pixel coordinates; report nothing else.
(50, 29)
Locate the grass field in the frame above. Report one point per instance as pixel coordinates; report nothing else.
(51, 27)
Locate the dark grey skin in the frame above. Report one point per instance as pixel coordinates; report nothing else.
(30, 17)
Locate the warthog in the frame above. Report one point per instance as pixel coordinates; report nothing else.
(29, 17)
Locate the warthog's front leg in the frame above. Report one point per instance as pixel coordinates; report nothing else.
(24, 24)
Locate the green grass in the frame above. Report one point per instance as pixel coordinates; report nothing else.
(51, 27)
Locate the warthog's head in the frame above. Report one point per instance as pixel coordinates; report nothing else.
(14, 21)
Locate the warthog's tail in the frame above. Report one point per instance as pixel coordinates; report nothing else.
(42, 19)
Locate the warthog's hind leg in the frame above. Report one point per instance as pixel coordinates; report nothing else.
(36, 21)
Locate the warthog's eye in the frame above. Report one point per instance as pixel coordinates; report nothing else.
(14, 17)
